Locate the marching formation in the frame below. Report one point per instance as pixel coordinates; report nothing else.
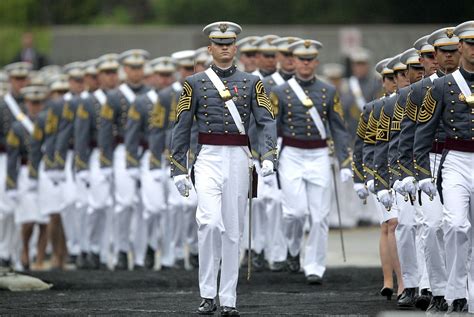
(234, 154)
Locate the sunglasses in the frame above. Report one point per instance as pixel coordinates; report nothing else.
(189, 68)
(389, 77)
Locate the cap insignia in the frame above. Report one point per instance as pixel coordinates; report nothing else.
(223, 27)
(449, 33)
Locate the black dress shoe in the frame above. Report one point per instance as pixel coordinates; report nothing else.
(258, 261)
(229, 311)
(150, 258)
(423, 300)
(407, 298)
(93, 261)
(437, 305)
(194, 260)
(458, 306)
(72, 259)
(293, 263)
(314, 279)
(122, 263)
(207, 307)
(81, 261)
(387, 292)
(278, 266)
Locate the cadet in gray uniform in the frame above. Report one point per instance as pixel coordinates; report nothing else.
(179, 222)
(433, 240)
(407, 224)
(223, 160)
(363, 175)
(112, 150)
(11, 107)
(145, 143)
(41, 159)
(308, 107)
(19, 187)
(268, 233)
(87, 165)
(450, 101)
(62, 172)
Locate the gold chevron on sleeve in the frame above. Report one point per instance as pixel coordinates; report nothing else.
(184, 103)
(371, 132)
(411, 109)
(427, 108)
(262, 98)
(383, 127)
(361, 127)
(397, 117)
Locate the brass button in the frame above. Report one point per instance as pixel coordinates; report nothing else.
(308, 127)
(293, 134)
(452, 102)
(291, 127)
(207, 122)
(205, 106)
(308, 134)
(226, 131)
(324, 104)
(205, 97)
(209, 131)
(289, 119)
(205, 113)
(323, 96)
(289, 113)
(308, 119)
(227, 122)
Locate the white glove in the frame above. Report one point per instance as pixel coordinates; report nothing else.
(267, 168)
(57, 176)
(83, 177)
(32, 185)
(345, 174)
(13, 195)
(398, 187)
(182, 184)
(409, 185)
(385, 197)
(361, 190)
(371, 186)
(428, 187)
(134, 173)
(157, 175)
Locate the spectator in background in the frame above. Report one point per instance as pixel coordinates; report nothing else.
(29, 53)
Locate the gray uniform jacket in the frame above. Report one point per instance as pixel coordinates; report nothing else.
(201, 99)
(113, 119)
(381, 176)
(443, 103)
(294, 120)
(86, 127)
(41, 134)
(18, 147)
(408, 126)
(396, 117)
(65, 136)
(358, 155)
(146, 127)
(7, 119)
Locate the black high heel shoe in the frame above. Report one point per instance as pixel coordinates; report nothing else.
(387, 292)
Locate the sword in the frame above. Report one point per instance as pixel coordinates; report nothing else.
(249, 263)
(338, 212)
